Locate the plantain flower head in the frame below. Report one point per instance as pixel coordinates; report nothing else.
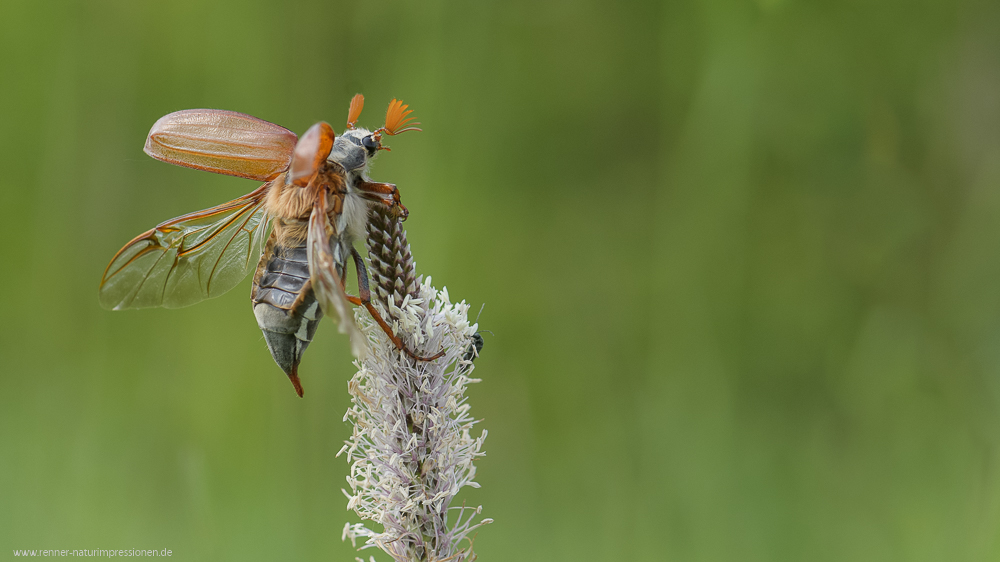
(413, 445)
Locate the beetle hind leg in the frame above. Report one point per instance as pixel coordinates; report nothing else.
(364, 299)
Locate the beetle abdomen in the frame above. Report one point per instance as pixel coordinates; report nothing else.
(284, 304)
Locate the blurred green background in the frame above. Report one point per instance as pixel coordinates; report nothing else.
(741, 261)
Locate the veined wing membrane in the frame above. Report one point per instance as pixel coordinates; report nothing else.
(326, 283)
(190, 258)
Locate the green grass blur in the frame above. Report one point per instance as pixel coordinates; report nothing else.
(741, 261)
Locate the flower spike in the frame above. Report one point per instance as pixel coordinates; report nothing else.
(357, 104)
(396, 120)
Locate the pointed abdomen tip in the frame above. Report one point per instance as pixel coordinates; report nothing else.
(294, 377)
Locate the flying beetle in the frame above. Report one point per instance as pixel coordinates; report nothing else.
(298, 227)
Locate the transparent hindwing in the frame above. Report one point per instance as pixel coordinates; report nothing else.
(190, 258)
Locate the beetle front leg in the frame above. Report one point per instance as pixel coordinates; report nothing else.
(386, 193)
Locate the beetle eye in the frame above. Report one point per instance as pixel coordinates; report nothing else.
(369, 143)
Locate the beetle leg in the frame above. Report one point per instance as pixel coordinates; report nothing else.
(386, 193)
(364, 299)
